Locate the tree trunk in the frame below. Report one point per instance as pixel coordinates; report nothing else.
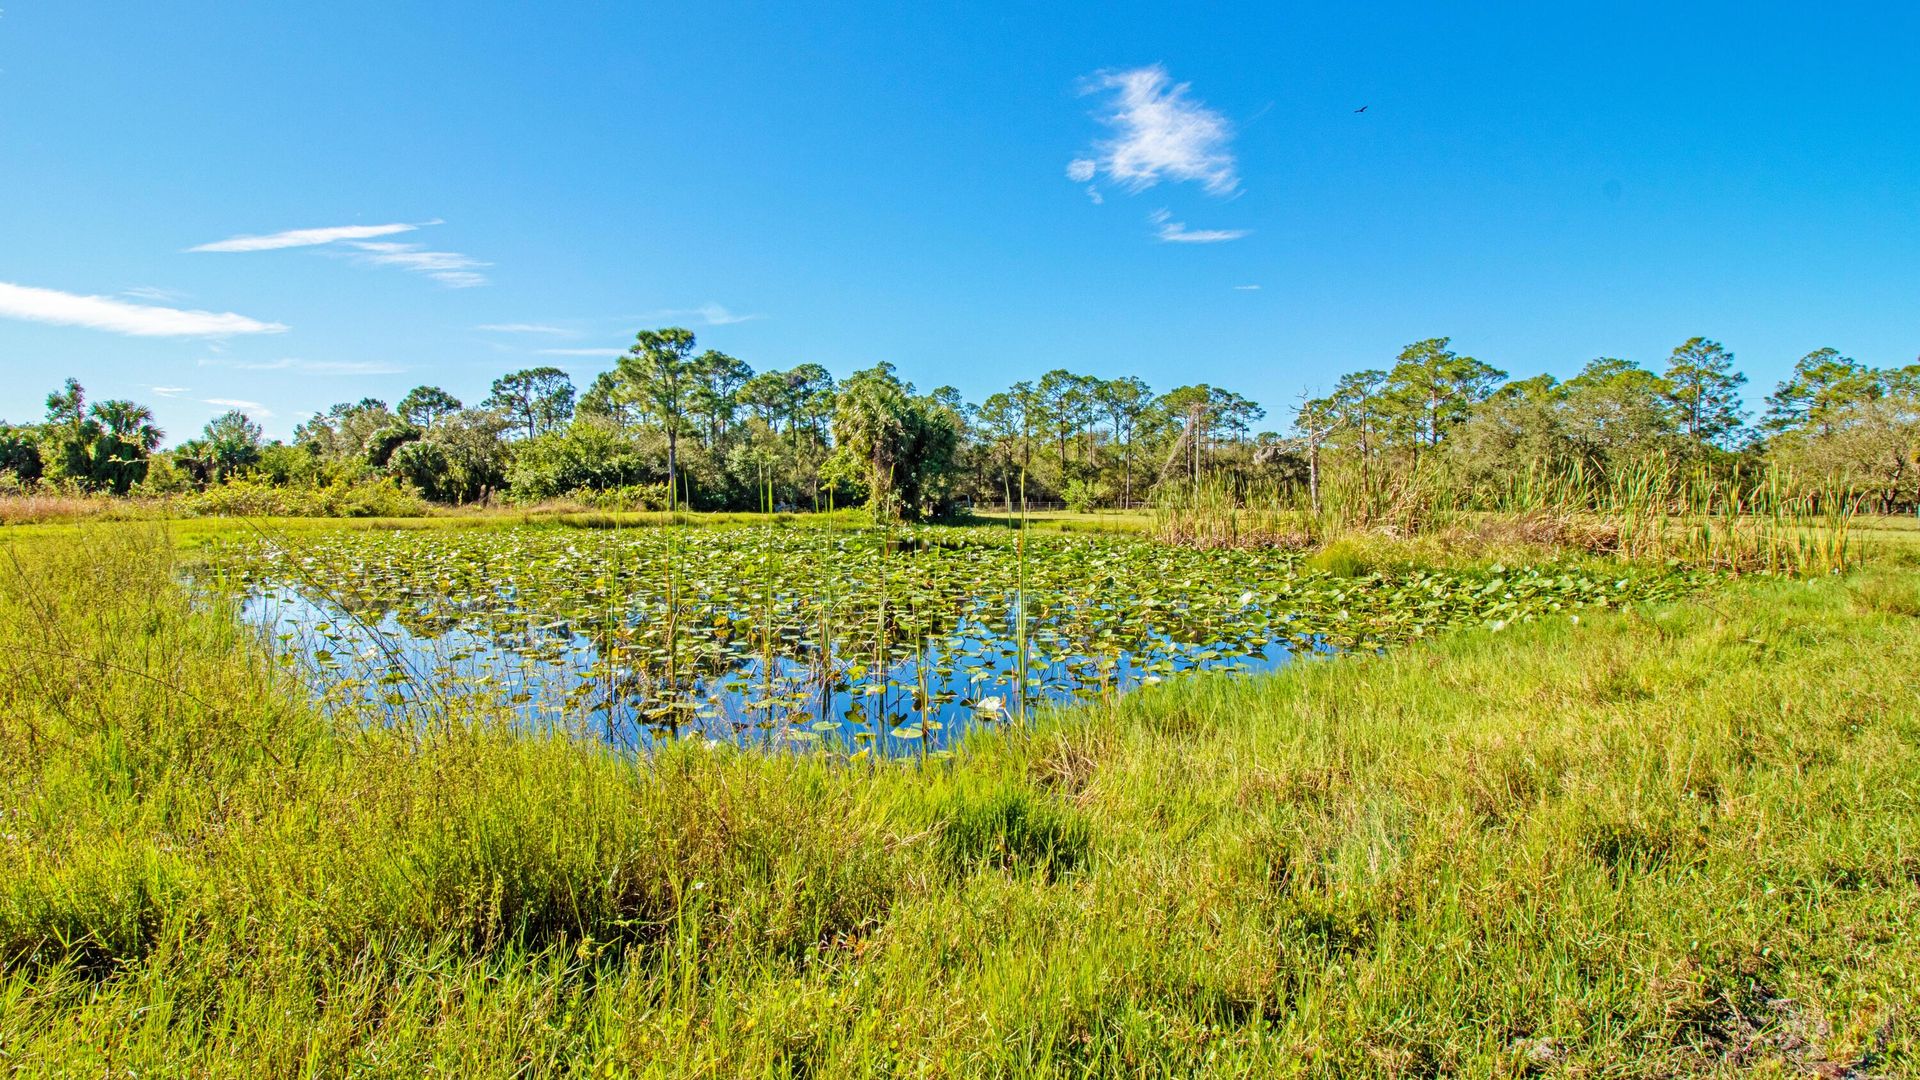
(1313, 474)
(672, 463)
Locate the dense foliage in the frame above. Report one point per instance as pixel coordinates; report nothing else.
(673, 425)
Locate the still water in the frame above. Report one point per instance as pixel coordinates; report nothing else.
(562, 674)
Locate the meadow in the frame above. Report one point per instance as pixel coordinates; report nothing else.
(1513, 810)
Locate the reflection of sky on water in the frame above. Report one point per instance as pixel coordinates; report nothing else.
(553, 674)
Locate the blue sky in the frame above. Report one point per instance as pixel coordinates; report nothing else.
(846, 184)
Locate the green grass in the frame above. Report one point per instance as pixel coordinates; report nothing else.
(1677, 840)
(192, 532)
(1094, 521)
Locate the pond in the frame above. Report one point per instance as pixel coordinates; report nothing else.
(889, 641)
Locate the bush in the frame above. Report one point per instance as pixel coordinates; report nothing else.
(252, 498)
(164, 477)
(19, 455)
(584, 456)
(1081, 496)
(1342, 558)
(626, 497)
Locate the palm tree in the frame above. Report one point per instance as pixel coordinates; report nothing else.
(129, 423)
(869, 420)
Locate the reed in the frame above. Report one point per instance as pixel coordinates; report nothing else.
(1654, 510)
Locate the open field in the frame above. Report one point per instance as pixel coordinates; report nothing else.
(1680, 838)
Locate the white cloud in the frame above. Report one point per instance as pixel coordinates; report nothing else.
(305, 237)
(1160, 132)
(450, 268)
(316, 367)
(710, 313)
(715, 315)
(169, 391)
(155, 293)
(615, 351)
(1093, 193)
(1246, 288)
(251, 408)
(1176, 232)
(120, 317)
(525, 328)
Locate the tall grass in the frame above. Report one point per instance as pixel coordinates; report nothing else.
(1661, 509)
(1669, 841)
(1656, 509)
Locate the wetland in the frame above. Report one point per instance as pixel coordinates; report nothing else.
(855, 640)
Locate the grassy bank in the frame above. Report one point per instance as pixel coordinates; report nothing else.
(188, 532)
(1674, 840)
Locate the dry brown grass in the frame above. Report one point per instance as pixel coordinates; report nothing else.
(33, 509)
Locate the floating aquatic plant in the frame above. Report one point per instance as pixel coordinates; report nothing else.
(890, 637)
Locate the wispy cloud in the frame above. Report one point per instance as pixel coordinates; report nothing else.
(1176, 232)
(1160, 132)
(450, 268)
(315, 367)
(1246, 288)
(710, 313)
(525, 328)
(138, 320)
(154, 293)
(612, 351)
(168, 391)
(251, 408)
(293, 238)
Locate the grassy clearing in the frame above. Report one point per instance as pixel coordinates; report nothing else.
(1679, 839)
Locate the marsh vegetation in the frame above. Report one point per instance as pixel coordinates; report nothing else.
(882, 639)
(1676, 836)
(1587, 766)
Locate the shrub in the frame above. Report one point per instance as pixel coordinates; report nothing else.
(253, 498)
(1342, 558)
(1080, 496)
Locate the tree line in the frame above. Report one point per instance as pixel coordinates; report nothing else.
(671, 424)
(1445, 420)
